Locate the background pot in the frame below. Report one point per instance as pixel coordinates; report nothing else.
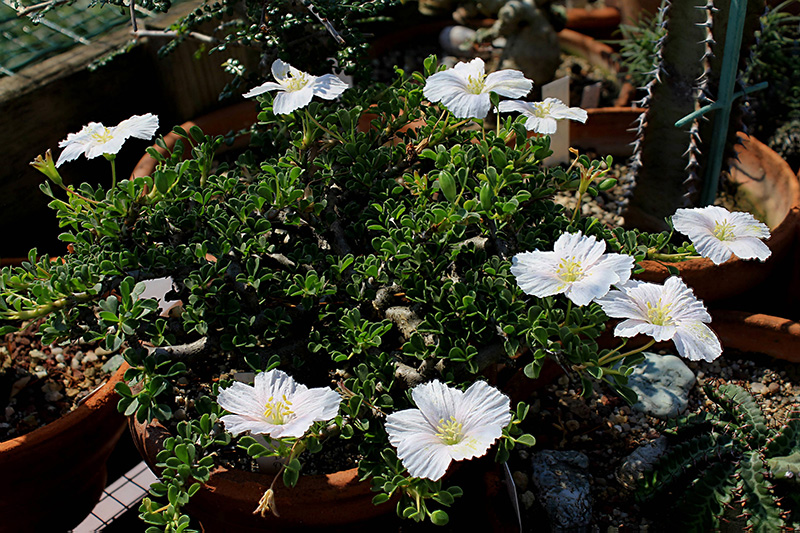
(53, 477)
(232, 119)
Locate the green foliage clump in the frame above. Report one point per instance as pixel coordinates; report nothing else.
(363, 245)
(724, 464)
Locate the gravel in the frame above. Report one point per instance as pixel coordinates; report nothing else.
(39, 384)
(607, 430)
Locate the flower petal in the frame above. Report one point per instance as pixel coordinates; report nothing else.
(421, 452)
(242, 400)
(138, 126)
(750, 248)
(286, 102)
(508, 82)
(264, 87)
(483, 407)
(536, 273)
(237, 424)
(328, 87)
(697, 342)
(521, 106)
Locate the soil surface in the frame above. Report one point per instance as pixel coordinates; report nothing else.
(39, 384)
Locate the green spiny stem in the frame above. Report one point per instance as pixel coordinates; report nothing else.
(730, 62)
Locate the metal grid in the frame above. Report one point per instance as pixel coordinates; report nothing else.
(24, 42)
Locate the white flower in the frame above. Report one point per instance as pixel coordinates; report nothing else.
(276, 405)
(449, 425)
(576, 267)
(664, 312)
(464, 89)
(297, 88)
(542, 116)
(718, 234)
(95, 139)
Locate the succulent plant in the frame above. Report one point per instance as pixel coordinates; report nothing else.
(725, 462)
(673, 164)
(773, 115)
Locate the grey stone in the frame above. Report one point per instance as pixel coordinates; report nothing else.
(662, 383)
(561, 484)
(113, 364)
(641, 459)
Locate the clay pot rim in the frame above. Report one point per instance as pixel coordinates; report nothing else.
(82, 413)
(771, 335)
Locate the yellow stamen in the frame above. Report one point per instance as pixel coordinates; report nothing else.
(542, 109)
(475, 84)
(659, 314)
(102, 137)
(569, 270)
(450, 432)
(296, 81)
(279, 411)
(724, 231)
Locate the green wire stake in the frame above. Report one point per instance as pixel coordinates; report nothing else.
(727, 80)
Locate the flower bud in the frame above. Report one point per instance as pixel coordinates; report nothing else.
(47, 166)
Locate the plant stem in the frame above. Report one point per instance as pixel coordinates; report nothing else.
(113, 173)
(606, 359)
(323, 128)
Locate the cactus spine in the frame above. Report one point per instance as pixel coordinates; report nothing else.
(669, 162)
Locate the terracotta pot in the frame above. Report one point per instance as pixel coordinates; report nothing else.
(599, 21)
(769, 189)
(229, 119)
(53, 477)
(227, 501)
(607, 131)
(756, 332)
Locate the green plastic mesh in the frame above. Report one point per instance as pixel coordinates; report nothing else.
(24, 42)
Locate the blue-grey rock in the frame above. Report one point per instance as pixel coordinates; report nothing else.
(662, 383)
(561, 483)
(641, 459)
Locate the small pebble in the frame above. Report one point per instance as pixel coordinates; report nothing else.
(520, 480)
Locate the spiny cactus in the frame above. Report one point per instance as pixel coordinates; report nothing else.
(774, 114)
(727, 459)
(670, 162)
